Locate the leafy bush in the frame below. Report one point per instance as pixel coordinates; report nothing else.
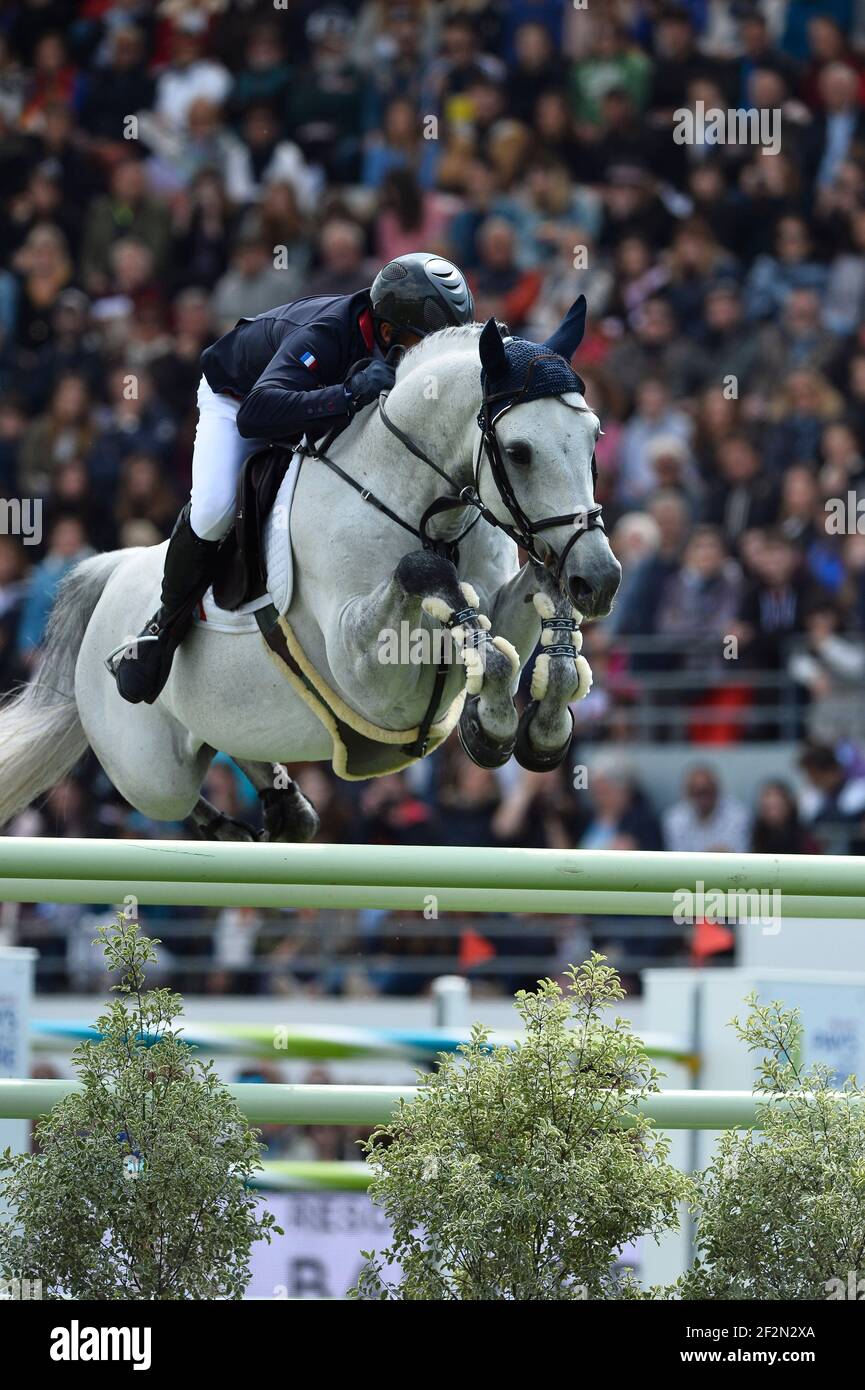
(138, 1189)
(781, 1214)
(519, 1173)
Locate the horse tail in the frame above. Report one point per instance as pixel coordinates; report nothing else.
(41, 736)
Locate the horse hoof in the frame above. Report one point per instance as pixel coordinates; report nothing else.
(475, 742)
(527, 756)
(289, 817)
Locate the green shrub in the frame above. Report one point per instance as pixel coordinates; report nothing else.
(512, 1176)
(138, 1188)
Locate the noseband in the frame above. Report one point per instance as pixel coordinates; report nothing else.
(520, 528)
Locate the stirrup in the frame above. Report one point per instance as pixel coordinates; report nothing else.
(113, 659)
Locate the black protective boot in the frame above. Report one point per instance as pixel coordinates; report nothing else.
(144, 667)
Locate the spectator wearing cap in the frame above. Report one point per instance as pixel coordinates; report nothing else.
(704, 820)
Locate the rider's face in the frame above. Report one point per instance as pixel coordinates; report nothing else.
(401, 337)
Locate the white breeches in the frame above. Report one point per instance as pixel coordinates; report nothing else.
(217, 457)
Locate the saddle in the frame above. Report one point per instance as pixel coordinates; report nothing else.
(240, 573)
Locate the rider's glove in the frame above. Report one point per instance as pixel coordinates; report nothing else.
(367, 383)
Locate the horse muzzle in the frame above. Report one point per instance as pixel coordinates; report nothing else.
(592, 578)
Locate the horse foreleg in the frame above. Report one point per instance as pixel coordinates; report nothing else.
(424, 591)
(488, 724)
(207, 823)
(529, 606)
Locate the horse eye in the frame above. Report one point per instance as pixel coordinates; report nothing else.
(520, 454)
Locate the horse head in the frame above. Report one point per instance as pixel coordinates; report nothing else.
(536, 473)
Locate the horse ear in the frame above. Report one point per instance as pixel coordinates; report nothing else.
(569, 334)
(494, 359)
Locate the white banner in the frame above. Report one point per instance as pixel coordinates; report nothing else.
(319, 1255)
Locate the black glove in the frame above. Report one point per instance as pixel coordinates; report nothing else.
(366, 383)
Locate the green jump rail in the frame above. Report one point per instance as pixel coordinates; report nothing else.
(402, 878)
(270, 1103)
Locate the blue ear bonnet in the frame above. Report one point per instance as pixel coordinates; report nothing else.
(531, 370)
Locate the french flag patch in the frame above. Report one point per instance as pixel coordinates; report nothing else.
(308, 360)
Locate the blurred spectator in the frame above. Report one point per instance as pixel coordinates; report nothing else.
(343, 268)
(66, 545)
(831, 668)
(833, 793)
(777, 828)
(501, 289)
(705, 820)
(126, 211)
(251, 284)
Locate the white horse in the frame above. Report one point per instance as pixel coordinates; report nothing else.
(530, 474)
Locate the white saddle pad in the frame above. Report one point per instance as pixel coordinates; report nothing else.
(278, 565)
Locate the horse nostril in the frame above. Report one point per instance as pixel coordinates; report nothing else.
(579, 591)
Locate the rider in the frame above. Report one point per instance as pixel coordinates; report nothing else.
(299, 369)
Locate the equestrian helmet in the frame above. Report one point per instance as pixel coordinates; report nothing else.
(421, 292)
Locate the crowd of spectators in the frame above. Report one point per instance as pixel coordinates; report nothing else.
(169, 167)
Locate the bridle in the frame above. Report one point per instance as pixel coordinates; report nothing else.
(520, 528)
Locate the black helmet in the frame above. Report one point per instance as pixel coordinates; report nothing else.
(421, 292)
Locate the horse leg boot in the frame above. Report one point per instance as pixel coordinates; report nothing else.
(488, 724)
(560, 675)
(144, 667)
(289, 817)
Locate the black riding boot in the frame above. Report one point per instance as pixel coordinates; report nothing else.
(189, 568)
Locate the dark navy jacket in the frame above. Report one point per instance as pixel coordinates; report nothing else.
(287, 365)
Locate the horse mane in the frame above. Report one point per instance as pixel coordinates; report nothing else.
(443, 340)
